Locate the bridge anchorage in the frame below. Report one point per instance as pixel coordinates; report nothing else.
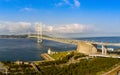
(39, 33)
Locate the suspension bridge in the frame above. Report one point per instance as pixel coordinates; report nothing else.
(87, 47)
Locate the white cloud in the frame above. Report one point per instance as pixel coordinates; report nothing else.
(77, 3)
(16, 27)
(70, 28)
(26, 27)
(73, 3)
(66, 1)
(27, 9)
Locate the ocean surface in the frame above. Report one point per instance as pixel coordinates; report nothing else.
(29, 50)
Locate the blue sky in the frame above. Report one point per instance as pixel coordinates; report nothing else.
(83, 17)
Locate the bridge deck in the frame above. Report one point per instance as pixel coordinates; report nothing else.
(75, 42)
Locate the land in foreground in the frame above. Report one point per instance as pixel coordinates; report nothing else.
(71, 64)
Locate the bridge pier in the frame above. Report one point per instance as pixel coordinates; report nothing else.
(104, 50)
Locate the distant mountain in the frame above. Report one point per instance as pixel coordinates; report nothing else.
(13, 36)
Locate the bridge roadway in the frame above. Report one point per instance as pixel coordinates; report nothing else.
(75, 42)
(67, 41)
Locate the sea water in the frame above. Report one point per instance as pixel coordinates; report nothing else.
(25, 49)
(28, 49)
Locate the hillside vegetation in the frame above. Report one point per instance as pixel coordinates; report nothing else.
(93, 66)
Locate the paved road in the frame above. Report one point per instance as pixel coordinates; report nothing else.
(47, 57)
(113, 71)
(34, 66)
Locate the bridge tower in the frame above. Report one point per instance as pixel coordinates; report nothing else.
(39, 33)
